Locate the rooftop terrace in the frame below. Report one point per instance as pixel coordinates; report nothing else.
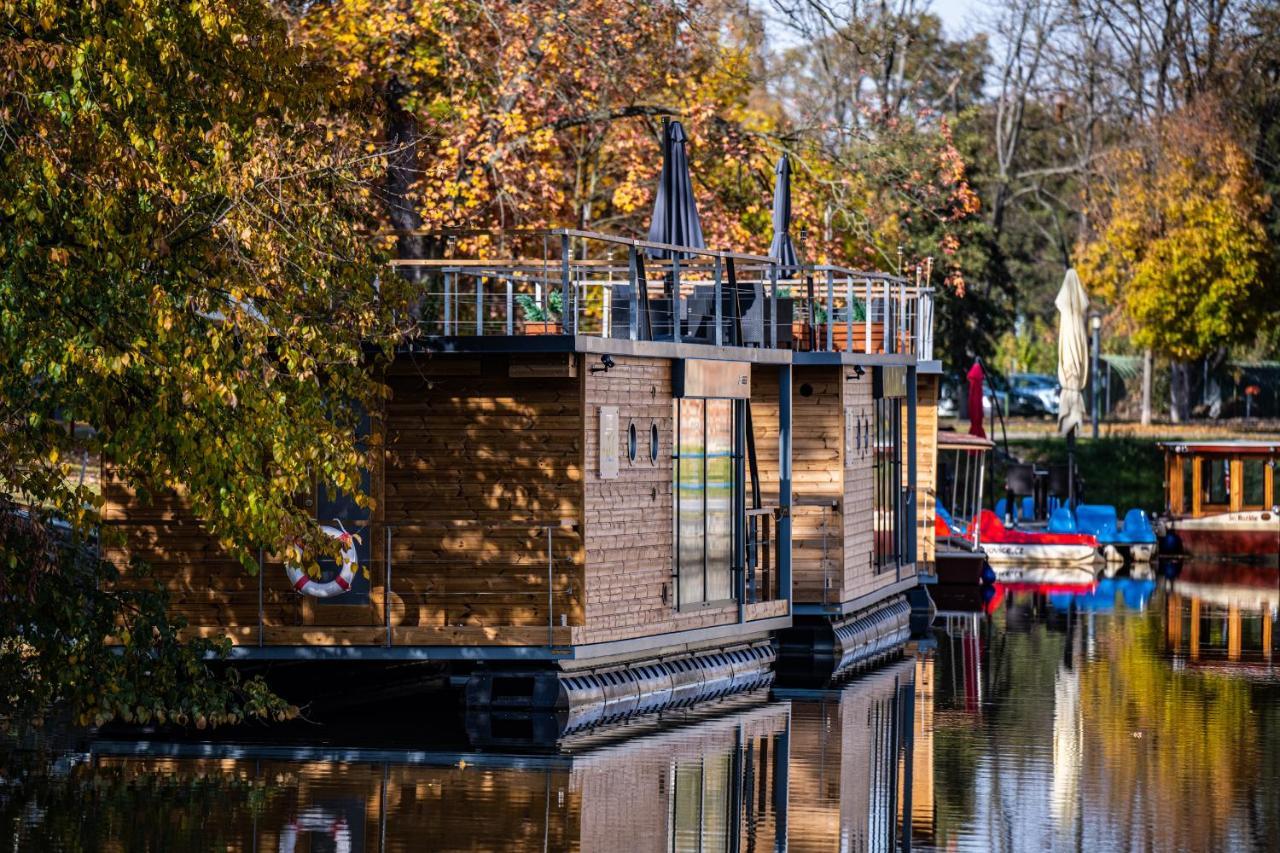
(582, 283)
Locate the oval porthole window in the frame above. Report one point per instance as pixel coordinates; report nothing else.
(631, 442)
(653, 442)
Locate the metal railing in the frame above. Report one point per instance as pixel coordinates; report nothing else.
(534, 547)
(760, 583)
(588, 283)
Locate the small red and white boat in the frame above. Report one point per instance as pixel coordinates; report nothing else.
(1008, 546)
(1221, 499)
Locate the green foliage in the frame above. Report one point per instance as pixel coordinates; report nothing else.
(535, 313)
(184, 267)
(1127, 472)
(69, 639)
(1030, 347)
(1183, 249)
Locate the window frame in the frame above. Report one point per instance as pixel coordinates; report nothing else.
(682, 600)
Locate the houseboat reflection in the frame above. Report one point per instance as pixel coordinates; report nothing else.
(1223, 611)
(717, 784)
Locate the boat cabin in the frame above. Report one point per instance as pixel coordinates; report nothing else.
(1221, 498)
(587, 475)
(1207, 478)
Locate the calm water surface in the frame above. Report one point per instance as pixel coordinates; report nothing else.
(1135, 716)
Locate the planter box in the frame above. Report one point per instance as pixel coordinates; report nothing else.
(533, 328)
(840, 336)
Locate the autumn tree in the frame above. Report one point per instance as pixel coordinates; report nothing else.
(184, 268)
(1181, 246)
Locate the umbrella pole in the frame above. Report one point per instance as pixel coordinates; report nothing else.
(1071, 469)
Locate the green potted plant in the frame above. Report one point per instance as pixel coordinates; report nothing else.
(539, 320)
(840, 330)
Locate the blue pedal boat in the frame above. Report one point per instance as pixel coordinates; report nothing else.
(1134, 539)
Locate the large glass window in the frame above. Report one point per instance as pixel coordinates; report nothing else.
(705, 473)
(1215, 481)
(1254, 483)
(888, 494)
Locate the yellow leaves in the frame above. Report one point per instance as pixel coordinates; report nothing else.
(1181, 247)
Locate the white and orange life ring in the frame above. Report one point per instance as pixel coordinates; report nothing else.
(319, 822)
(307, 585)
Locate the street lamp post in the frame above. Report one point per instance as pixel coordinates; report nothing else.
(1095, 324)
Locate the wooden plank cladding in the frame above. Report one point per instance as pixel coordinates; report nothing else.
(493, 517)
(479, 468)
(817, 526)
(926, 463)
(832, 481)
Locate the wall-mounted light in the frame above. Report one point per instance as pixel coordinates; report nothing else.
(858, 371)
(606, 362)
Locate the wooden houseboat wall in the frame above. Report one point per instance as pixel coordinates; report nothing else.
(854, 531)
(927, 394)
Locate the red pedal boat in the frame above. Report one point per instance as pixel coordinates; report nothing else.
(1010, 546)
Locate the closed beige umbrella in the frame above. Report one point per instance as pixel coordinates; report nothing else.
(1073, 351)
(1073, 354)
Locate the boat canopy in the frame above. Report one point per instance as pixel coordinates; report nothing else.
(963, 441)
(1240, 447)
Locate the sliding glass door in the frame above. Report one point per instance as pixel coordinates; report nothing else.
(705, 474)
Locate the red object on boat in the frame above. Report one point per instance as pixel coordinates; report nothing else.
(1084, 587)
(976, 377)
(991, 530)
(941, 528)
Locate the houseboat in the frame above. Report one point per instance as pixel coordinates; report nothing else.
(583, 484)
(854, 468)
(1221, 499)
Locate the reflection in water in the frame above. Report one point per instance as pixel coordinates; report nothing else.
(1133, 715)
(850, 751)
(1129, 714)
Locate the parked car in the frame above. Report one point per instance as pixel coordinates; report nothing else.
(1012, 402)
(1015, 402)
(1039, 385)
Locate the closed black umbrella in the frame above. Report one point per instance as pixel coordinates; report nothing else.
(675, 213)
(781, 247)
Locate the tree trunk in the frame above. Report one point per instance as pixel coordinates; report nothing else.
(1146, 387)
(1180, 391)
(402, 135)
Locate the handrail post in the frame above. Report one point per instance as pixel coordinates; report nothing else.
(675, 296)
(386, 592)
(887, 312)
(773, 314)
(866, 316)
(633, 329)
(831, 317)
(719, 297)
(567, 318)
(511, 319)
(479, 306)
(848, 318)
(550, 592)
(784, 484)
(901, 315)
(448, 301)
